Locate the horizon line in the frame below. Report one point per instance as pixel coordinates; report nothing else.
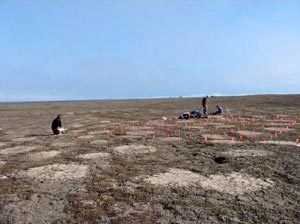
(140, 98)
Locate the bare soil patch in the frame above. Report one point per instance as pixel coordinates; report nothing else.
(104, 122)
(63, 144)
(281, 124)
(171, 139)
(215, 136)
(25, 139)
(225, 126)
(140, 133)
(281, 143)
(235, 183)
(134, 149)
(249, 133)
(43, 155)
(17, 150)
(175, 177)
(99, 142)
(96, 155)
(247, 153)
(76, 125)
(277, 129)
(230, 142)
(59, 172)
(130, 136)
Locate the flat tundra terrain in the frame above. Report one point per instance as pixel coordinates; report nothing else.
(133, 161)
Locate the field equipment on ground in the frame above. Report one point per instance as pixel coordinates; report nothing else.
(191, 114)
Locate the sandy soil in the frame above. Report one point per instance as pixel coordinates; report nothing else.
(43, 155)
(247, 153)
(17, 149)
(134, 149)
(250, 133)
(96, 155)
(57, 172)
(135, 162)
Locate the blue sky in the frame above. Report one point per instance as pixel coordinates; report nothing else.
(76, 50)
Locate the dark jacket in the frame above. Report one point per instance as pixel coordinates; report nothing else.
(204, 101)
(56, 123)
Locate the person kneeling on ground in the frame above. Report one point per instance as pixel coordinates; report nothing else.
(219, 110)
(56, 125)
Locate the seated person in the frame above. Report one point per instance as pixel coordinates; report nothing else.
(219, 110)
(56, 126)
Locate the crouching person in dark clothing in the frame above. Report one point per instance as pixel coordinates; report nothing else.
(56, 124)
